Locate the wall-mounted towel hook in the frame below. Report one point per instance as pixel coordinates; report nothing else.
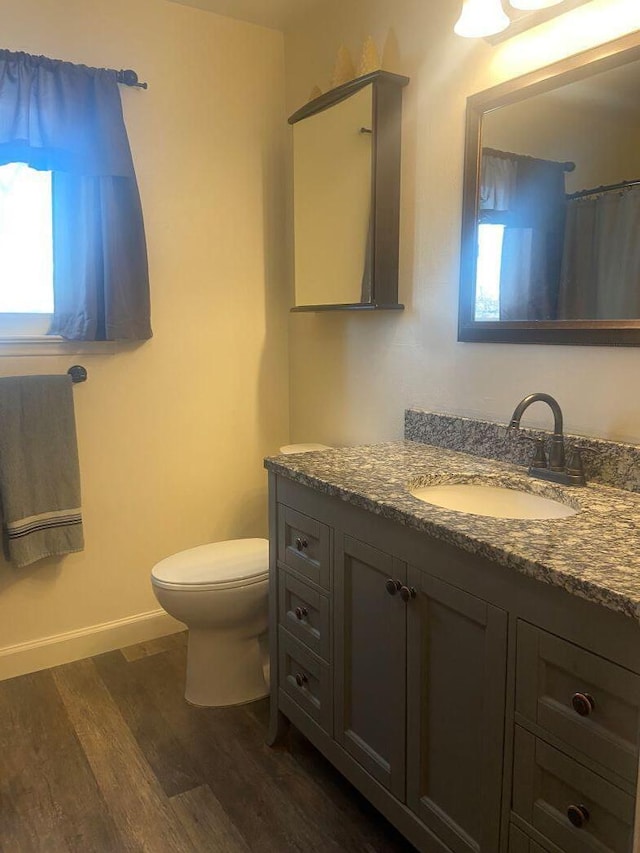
(78, 373)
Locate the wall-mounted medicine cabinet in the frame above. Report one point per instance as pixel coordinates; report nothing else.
(346, 146)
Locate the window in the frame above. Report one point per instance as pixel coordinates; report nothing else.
(26, 251)
(74, 227)
(490, 237)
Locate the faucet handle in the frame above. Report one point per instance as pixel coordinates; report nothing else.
(575, 468)
(574, 463)
(539, 456)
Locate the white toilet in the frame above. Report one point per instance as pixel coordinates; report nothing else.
(220, 592)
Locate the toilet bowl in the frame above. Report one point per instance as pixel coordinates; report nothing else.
(219, 591)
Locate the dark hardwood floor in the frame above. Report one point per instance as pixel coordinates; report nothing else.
(105, 755)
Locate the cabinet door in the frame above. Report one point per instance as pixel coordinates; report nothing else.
(457, 659)
(370, 661)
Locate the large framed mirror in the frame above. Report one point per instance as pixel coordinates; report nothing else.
(551, 206)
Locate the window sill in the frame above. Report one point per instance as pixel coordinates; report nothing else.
(34, 345)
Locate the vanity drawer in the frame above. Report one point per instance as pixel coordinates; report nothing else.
(521, 843)
(305, 679)
(586, 701)
(304, 545)
(549, 787)
(304, 612)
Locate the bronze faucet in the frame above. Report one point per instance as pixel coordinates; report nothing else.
(555, 469)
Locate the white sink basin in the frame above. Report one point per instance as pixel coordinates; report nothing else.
(493, 501)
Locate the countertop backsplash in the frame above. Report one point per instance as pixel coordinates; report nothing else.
(611, 463)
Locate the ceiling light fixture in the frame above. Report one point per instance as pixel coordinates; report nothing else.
(497, 20)
(480, 18)
(531, 5)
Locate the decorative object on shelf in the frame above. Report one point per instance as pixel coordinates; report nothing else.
(344, 69)
(315, 93)
(480, 18)
(497, 20)
(370, 59)
(390, 60)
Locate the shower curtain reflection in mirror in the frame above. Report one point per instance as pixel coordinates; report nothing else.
(543, 255)
(601, 263)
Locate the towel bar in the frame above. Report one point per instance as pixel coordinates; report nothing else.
(78, 373)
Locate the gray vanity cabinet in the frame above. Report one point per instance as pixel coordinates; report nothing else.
(370, 660)
(457, 660)
(479, 710)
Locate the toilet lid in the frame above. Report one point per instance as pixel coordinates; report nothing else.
(236, 562)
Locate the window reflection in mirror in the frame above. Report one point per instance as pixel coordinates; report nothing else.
(558, 213)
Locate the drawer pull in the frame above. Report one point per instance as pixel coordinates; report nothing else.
(301, 544)
(578, 815)
(393, 586)
(407, 593)
(583, 704)
(301, 679)
(301, 613)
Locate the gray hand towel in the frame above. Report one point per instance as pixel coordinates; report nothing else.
(39, 471)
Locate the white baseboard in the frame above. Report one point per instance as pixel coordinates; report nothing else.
(74, 645)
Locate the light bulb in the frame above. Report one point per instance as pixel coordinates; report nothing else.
(481, 18)
(531, 5)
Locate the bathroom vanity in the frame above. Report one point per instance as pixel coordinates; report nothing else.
(476, 678)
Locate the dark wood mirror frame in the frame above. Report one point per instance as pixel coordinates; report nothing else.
(586, 332)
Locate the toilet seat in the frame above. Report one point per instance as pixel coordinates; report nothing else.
(220, 565)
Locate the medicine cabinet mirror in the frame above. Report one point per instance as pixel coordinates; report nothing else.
(551, 208)
(346, 149)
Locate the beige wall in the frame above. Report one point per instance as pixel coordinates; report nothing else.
(353, 375)
(604, 144)
(172, 433)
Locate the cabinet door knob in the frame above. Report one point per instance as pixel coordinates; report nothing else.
(301, 612)
(301, 544)
(407, 593)
(393, 586)
(578, 815)
(301, 679)
(583, 704)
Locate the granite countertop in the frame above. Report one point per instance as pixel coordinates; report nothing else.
(594, 554)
